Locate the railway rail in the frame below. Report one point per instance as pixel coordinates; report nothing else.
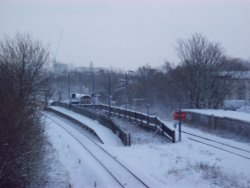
(121, 174)
(243, 153)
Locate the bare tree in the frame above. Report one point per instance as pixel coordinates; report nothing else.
(200, 72)
(23, 64)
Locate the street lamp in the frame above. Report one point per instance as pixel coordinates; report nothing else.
(92, 73)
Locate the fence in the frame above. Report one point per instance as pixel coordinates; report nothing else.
(219, 124)
(147, 122)
(105, 121)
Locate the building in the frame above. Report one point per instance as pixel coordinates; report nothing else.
(60, 68)
(240, 89)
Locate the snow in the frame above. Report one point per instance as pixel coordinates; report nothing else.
(106, 135)
(233, 104)
(138, 134)
(186, 164)
(183, 164)
(243, 145)
(82, 169)
(245, 109)
(222, 113)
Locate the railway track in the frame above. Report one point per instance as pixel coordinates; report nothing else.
(243, 153)
(120, 173)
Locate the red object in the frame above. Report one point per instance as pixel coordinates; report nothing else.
(178, 116)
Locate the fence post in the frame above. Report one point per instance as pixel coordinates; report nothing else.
(173, 136)
(129, 118)
(212, 122)
(128, 139)
(156, 121)
(180, 124)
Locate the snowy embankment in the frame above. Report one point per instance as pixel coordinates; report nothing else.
(81, 168)
(187, 164)
(106, 135)
(184, 164)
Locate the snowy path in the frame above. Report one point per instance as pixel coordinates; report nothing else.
(122, 176)
(140, 135)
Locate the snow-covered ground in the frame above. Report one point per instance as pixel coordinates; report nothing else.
(138, 134)
(245, 109)
(183, 164)
(81, 168)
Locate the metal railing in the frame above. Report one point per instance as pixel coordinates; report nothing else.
(105, 121)
(146, 121)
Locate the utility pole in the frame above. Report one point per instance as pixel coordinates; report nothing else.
(109, 92)
(69, 87)
(92, 71)
(148, 99)
(180, 118)
(93, 85)
(126, 91)
(58, 44)
(126, 88)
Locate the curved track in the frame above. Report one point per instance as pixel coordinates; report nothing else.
(243, 153)
(122, 175)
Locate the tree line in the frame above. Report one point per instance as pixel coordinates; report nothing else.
(202, 79)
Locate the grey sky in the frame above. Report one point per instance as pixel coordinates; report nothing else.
(127, 34)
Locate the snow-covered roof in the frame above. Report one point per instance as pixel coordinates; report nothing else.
(242, 116)
(80, 95)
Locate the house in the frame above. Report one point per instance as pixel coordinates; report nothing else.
(241, 87)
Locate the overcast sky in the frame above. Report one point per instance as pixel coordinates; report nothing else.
(127, 34)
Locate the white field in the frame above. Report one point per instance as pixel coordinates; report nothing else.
(183, 164)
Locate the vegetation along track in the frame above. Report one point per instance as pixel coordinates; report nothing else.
(219, 145)
(122, 175)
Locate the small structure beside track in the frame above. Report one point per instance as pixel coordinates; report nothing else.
(219, 123)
